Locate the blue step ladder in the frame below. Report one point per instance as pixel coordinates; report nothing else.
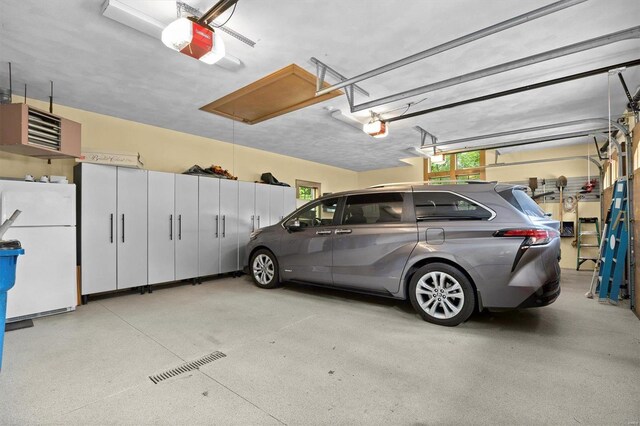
(614, 247)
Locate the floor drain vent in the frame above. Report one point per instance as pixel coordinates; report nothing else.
(192, 365)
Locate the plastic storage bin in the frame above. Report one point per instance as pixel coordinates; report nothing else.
(9, 252)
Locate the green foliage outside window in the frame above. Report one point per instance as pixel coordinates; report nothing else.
(467, 160)
(305, 193)
(444, 167)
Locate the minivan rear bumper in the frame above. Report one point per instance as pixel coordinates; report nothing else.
(545, 295)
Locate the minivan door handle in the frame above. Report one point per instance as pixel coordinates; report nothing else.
(343, 231)
(323, 232)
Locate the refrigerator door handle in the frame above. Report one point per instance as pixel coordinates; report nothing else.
(171, 227)
(217, 225)
(123, 227)
(111, 228)
(258, 221)
(180, 227)
(224, 225)
(253, 223)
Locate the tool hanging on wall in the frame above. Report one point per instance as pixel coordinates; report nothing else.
(561, 183)
(533, 184)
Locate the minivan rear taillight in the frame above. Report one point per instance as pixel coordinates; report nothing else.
(532, 236)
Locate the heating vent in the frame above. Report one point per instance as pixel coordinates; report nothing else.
(44, 130)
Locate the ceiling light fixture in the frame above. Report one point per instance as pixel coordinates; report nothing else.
(376, 127)
(198, 41)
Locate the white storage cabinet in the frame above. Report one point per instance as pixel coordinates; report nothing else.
(113, 227)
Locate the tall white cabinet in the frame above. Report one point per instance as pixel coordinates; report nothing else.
(261, 205)
(131, 227)
(209, 226)
(247, 216)
(186, 196)
(161, 217)
(113, 227)
(228, 226)
(139, 228)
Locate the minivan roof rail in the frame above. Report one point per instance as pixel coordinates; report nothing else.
(434, 182)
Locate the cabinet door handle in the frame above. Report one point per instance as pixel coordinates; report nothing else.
(170, 227)
(224, 226)
(179, 226)
(123, 227)
(217, 225)
(111, 226)
(253, 223)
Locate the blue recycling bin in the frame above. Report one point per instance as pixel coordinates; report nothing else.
(9, 252)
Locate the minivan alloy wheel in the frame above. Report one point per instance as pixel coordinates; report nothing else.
(440, 295)
(263, 269)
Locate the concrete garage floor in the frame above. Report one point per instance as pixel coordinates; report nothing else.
(300, 355)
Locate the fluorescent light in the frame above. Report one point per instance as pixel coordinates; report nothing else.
(437, 159)
(127, 15)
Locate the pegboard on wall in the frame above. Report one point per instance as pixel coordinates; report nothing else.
(574, 186)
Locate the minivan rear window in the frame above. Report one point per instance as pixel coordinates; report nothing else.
(439, 205)
(519, 199)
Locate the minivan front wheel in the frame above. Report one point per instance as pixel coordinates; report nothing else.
(264, 269)
(441, 294)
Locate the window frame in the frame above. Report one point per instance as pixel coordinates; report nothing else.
(317, 186)
(454, 171)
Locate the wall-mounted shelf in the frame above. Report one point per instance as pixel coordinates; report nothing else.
(30, 131)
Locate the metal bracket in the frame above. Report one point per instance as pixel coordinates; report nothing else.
(321, 71)
(633, 104)
(423, 138)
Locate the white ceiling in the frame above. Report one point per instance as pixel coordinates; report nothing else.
(100, 65)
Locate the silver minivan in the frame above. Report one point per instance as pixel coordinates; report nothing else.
(450, 249)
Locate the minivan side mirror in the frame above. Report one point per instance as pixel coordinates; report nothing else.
(294, 226)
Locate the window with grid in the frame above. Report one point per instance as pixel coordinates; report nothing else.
(463, 166)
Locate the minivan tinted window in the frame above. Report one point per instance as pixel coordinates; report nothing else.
(373, 208)
(447, 206)
(317, 213)
(519, 199)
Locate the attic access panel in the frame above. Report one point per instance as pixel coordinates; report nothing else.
(283, 91)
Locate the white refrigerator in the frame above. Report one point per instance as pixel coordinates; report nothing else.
(46, 273)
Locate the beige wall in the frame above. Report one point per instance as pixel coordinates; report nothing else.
(412, 172)
(171, 151)
(552, 170)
